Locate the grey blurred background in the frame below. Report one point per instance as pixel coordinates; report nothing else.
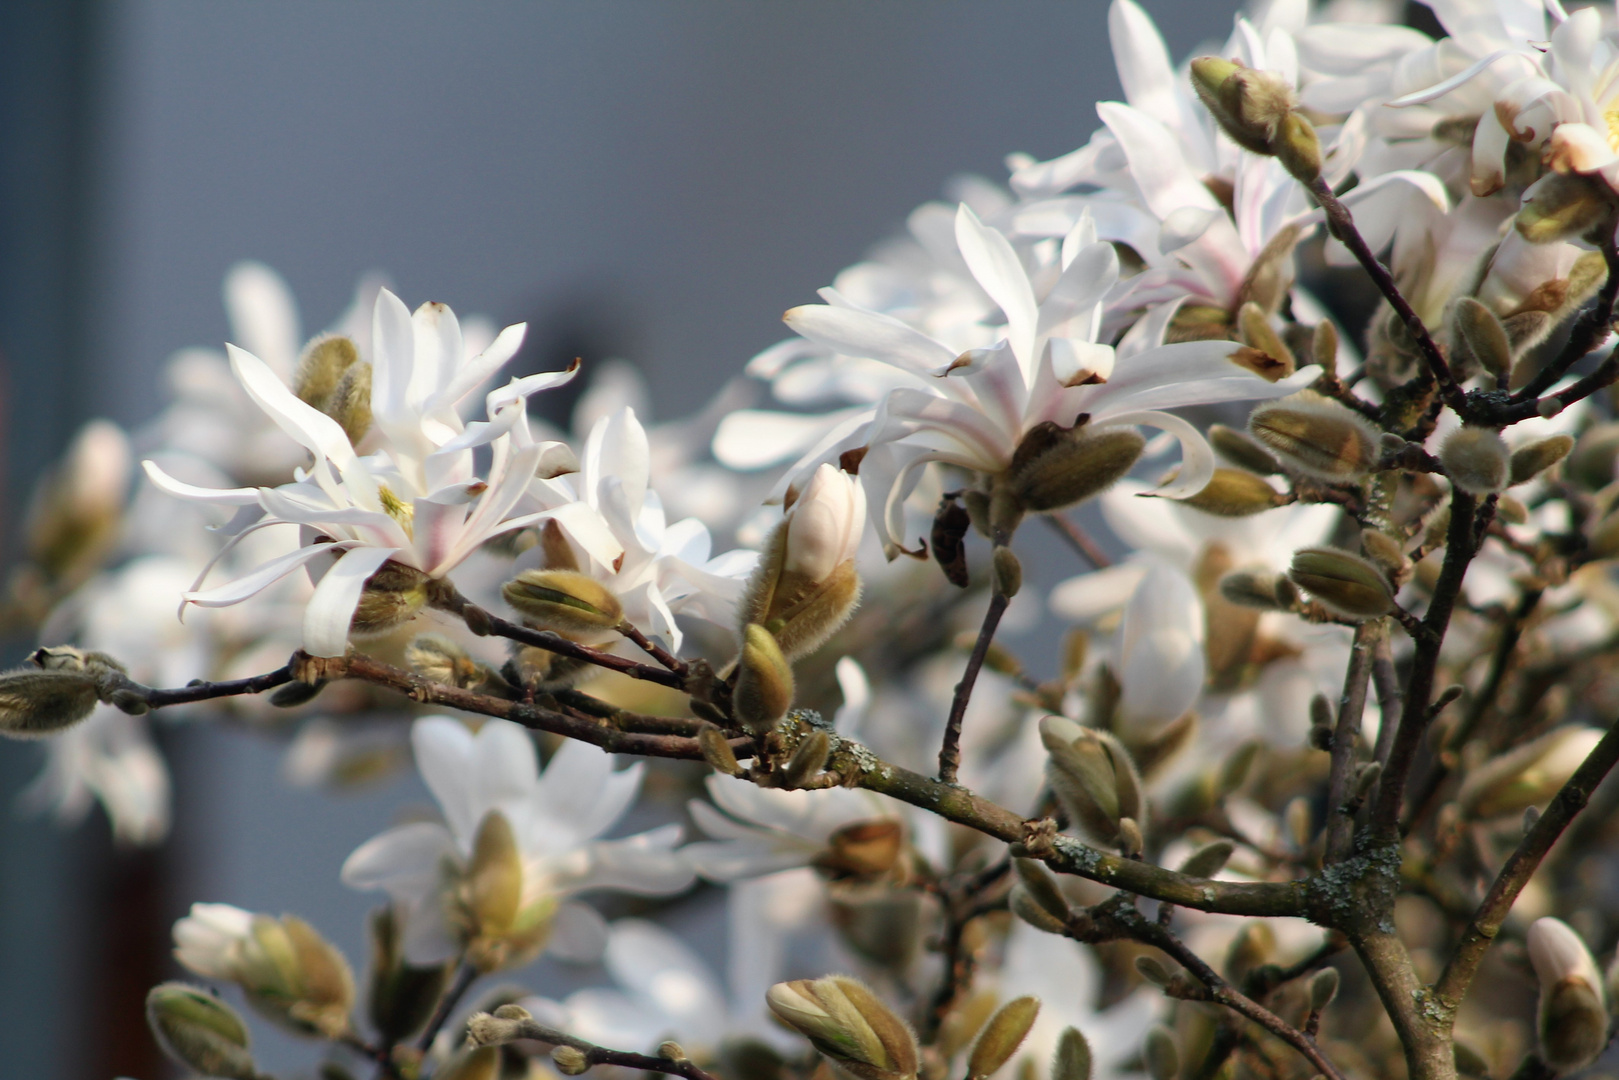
(656, 181)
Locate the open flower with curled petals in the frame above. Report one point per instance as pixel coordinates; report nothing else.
(1047, 374)
(401, 517)
(495, 880)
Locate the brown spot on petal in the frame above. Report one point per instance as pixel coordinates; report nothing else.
(1260, 363)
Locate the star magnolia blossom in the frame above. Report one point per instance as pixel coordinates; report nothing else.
(417, 501)
(556, 818)
(973, 409)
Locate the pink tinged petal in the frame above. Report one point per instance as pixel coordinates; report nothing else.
(307, 425)
(181, 490)
(1143, 62)
(853, 332)
(1000, 272)
(579, 934)
(446, 757)
(263, 314)
(331, 607)
(405, 861)
(255, 582)
(1197, 458)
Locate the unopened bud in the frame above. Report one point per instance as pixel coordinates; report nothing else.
(1209, 859)
(569, 1060)
(35, 703)
(565, 602)
(808, 759)
(1251, 588)
(1348, 585)
(1070, 467)
(1002, 1036)
(845, 1021)
(717, 750)
(402, 996)
(1235, 768)
(1131, 841)
(1563, 207)
(1475, 459)
(1298, 822)
(1317, 436)
(350, 403)
(1008, 572)
(1386, 552)
(1072, 1060)
(1573, 1017)
(1298, 147)
(392, 596)
(1323, 988)
(1480, 335)
(1153, 970)
(1527, 775)
(1160, 1053)
(864, 849)
(1042, 887)
(1249, 104)
(436, 657)
(323, 363)
(1235, 493)
(1367, 774)
(1532, 459)
(1324, 346)
(806, 585)
(293, 694)
(764, 681)
(1094, 778)
(1255, 331)
(1027, 908)
(672, 1051)
(1239, 448)
(199, 1031)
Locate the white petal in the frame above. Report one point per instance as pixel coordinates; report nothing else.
(311, 428)
(404, 861)
(331, 607)
(263, 314)
(181, 490)
(1197, 457)
(250, 584)
(1000, 272)
(579, 934)
(854, 332)
(445, 754)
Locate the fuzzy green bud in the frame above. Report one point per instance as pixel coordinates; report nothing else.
(392, 597)
(1095, 779)
(565, 602)
(1532, 459)
(1042, 888)
(1323, 988)
(1239, 448)
(1324, 346)
(199, 1031)
(36, 703)
(1235, 493)
(1160, 1054)
(1007, 572)
(1563, 207)
(717, 750)
(764, 681)
(1317, 436)
(1476, 460)
(569, 1060)
(1478, 334)
(1031, 911)
(1526, 775)
(1252, 588)
(806, 586)
(1055, 468)
(1255, 331)
(1002, 1036)
(402, 996)
(1348, 585)
(1072, 1060)
(845, 1021)
(808, 759)
(1209, 859)
(1250, 105)
(1298, 147)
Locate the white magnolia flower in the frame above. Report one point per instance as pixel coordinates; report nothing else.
(556, 818)
(618, 534)
(972, 409)
(759, 830)
(1160, 650)
(417, 501)
(210, 939)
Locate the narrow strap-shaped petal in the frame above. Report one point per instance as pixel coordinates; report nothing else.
(182, 490)
(1143, 62)
(331, 608)
(1197, 457)
(854, 332)
(469, 376)
(263, 314)
(308, 426)
(256, 581)
(1000, 272)
(1440, 89)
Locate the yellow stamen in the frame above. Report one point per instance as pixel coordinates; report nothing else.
(1611, 115)
(395, 507)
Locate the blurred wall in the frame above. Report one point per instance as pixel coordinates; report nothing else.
(656, 181)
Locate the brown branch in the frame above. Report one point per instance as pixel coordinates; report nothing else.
(1520, 867)
(652, 648)
(1346, 736)
(1080, 540)
(950, 751)
(198, 690)
(529, 1028)
(465, 975)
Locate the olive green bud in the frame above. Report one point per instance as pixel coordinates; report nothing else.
(1324, 346)
(1055, 470)
(1042, 887)
(436, 657)
(1255, 331)
(1572, 1021)
(1563, 207)
(1479, 335)
(845, 1021)
(1240, 449)
(199, 1031)
(1317, 436)
(35, 703)
(1008, 572)
(808, 759)
(392, 597)
(1386, 552)
(322, 364)
(1002, 1036)
(1299, 822)
(1532, 459)
(1209, 859)
(1131, 842)
(1251, 588)
(1072, 1060)
(764, 681)
(293, 694)
(669, 1050)
(717, 750)
(1346, 584)
(1476, 460)
(565, 602)
(402, 996)
(1027, 908)
(569, 1060)
(1235, 768)
(1160, 1054)
(1323, 988)
(1248, 104)
(1235, 493)
(1153, 970)
(1527, 775)
(350, 403)
(1094, 778)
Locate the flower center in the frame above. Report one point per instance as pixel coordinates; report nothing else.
(396, 508)
(1611, 115)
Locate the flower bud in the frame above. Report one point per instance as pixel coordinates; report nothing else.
(392, 596)
(1573, 1017)
(864, 849)
(1298, 147)
(806, 585)
(36, 703)
(1072, 1060)
(75, 511)
(1209, 859)
(1007, 572)
(1476, 460)
(1324, 346)
(1042, 888)
(1153, 970)
(1255, 331)
(401, 997)
(1386, 552)
(669, 1050)
(1027, 908)
(199, 1031)
(1346, 584)
(1317, 436)
(1160, 1053)
(1094, 778)
(764, 681)
(1235, 493)
(569, 1060)
(472, 1063)
(350, 403)
(808, 759)
(322, 364)
(1239, 448)
(1479, 335)
(490, 893)
(564, 602)
(1002, 1036)
(1249, 105)
(1252, 588)
(1532, 459)
(1563, 207)
(1054, 470)
(846, 1022)
(1527, 775)
(436, 657)
(1323, 988)
(717, 750)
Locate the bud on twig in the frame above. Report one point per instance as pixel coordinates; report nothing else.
(569, 1060)
(392, 597)
(1042, 888)
(199, 1031)
(1241, 450)
(1248, 104)
(1476, 460)
(1532, 459)
(1008, 572)
(565, 602)
(1527, 775)
(1160, 1054)
(808, 759)
(1002, 1036)
(1317, 436)
(1072, 1060)
(1323, 988)
(1573, 1017)
(1209, 859)
(764, 681)
(1348, 585)
(1484, 338)
(1254, 588)
(717, 751)
(1094, 778)
(1235, 493)
(1563, 207)
(1055, 469)
(845, 1021)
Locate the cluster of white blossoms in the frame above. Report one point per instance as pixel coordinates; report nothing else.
(1318, 326)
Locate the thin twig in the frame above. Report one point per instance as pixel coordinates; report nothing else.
(1346, 735)
(1080, 541)
(600, 1055)
(1387, 682)
(465, 975)
(652, 648)
(950, 751)
(1520, 867)
(198, 690)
